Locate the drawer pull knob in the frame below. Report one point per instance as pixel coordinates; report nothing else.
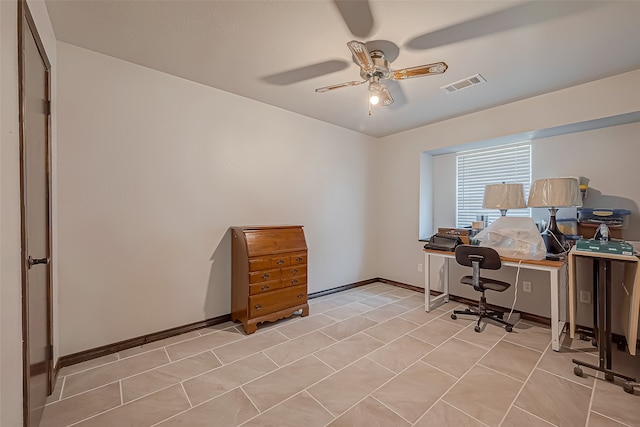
(300, 295)
(258, 306)
(294, 271)
(265, 276)
(299, 259)
(294, 281)
(280, 262)
(265, 287)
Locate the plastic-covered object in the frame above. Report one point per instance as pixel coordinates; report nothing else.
(514, 237)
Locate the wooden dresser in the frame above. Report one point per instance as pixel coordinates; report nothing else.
(268, 274)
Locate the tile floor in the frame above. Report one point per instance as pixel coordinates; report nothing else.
(369, 356)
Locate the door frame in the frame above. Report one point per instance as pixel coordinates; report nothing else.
(24, 14)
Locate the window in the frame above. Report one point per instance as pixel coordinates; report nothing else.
(476, 168)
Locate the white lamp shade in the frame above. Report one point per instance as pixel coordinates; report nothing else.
(503, 196)
(555, 193)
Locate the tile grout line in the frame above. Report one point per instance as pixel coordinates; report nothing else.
(186, 395)
(506, 339)
(151, 370)
(383, 404)
(535, 416)
(461, 376)
(253, 403)
(593, 394)
(567, 379)
(524, 384)
(500, 373)
(123, 378)
(444, 402)
(609, 418)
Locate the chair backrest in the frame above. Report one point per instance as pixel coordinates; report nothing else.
(488, 257)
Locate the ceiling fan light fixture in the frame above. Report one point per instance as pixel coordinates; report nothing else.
(375, 89)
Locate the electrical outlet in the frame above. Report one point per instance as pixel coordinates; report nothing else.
(585, 297)
(420, 268)
(526, 286)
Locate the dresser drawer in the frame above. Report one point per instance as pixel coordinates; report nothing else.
(298, 258)
(294, 270)
(264, 276)
(294, 281)
(262, 263)
(280, 261)
(270, 302)
(258, 288)
(265, 263)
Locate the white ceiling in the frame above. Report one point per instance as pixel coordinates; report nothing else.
(257, 49)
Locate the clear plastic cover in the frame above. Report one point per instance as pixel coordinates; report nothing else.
(514, 237)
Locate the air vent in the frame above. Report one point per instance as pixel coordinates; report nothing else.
(464, 83)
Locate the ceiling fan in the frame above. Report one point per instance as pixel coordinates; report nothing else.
(374, 67)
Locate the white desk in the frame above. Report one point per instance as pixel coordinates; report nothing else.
(555, 269)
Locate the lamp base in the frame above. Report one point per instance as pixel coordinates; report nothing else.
(553, 238)
(554, 241)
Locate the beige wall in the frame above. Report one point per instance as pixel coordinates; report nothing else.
(154, 169)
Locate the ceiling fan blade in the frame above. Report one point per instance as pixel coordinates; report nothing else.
(357, 15)
(340, 85)
(361, 55)
(385, 97)
(419, 71)
(305, 73)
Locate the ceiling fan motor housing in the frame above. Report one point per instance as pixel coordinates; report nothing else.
(381, 64)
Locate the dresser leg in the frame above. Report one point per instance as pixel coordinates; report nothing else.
(250, 328)
(305, 310)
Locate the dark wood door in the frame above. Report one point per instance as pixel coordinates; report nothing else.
(36, 223)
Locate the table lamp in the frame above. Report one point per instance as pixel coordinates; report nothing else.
(503, 197)
(554, 193)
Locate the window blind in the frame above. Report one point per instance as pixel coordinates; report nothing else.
(510, 164)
